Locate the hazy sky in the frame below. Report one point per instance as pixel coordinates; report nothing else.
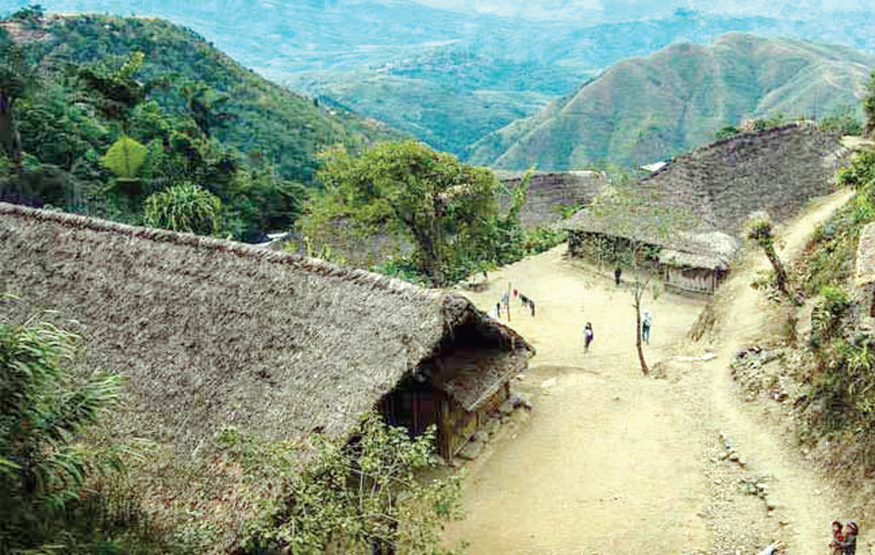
(644, 8)
(590, 12)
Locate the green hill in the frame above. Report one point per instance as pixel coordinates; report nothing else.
(646, 109)
(284, 127)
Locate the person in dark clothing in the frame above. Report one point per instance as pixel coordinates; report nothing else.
(849, 544)
(617, 273)
(588, 336)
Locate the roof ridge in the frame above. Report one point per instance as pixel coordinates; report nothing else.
(741, 135)
(312, 265)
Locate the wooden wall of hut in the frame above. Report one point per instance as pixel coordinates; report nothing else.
(696, 280)
(416, 406)
(458, 425)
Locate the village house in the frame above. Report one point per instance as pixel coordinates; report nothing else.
(716, 188)
(695, 262)
(208, 332)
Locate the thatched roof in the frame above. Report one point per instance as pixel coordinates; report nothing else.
(777, 170)
(698, 249)
(208, 331)
(864, 271)
(549, 192)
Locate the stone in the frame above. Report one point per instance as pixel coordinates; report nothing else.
(733, 456)
(492, 426)
(506, 407)
(471, 451)
(481, 436)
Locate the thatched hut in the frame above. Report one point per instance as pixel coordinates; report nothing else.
(687, 261)
(864, 268)
(210, 332)
(697, 262)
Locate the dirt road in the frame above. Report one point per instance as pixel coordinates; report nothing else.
(612, 462)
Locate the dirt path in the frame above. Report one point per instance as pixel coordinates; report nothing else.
(611, 462)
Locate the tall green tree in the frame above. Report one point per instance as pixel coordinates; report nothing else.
(439, 203)
(12, 87)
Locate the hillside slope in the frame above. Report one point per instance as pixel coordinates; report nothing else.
(285, 127)
(647, 109)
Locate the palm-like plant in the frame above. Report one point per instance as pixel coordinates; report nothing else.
(185, 207)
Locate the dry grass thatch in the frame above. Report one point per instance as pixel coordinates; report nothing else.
(777, 170)
(549, 192)
(209, 332)
(864, 270)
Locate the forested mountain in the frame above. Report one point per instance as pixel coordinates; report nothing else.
(83, 82)
(645, 109)
(449, 72)
(450, 94)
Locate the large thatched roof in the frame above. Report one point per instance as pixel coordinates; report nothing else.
(777, 170)
(864, 271)
(698, 249)
(209, 332)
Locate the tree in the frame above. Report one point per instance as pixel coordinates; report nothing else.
(206, 106)
(439, 203)
(869, 105)
(758, 228)
(12, 87)
(639, 222)
(364, 495)
(184, 207)
(45, 406)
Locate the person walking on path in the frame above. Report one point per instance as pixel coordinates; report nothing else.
(837, 538)
(849, 543)
(645, 326)
(617, 273)
(588, 336)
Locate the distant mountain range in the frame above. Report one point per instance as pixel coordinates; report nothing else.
(450, 71)
(464, 76)
(644, 109)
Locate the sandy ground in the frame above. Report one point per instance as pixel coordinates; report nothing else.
(612, 462)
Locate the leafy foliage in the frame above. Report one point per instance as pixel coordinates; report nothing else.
(125, 157)
(869, 105)
(185, 207)
(844, 122)
(108, 111)
(441, 205)
(364, 494)
(46, 408)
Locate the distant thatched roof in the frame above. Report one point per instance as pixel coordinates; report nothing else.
(864, 271)
(712, 250)
(209, 332)
(549, 192)
(698, 249)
